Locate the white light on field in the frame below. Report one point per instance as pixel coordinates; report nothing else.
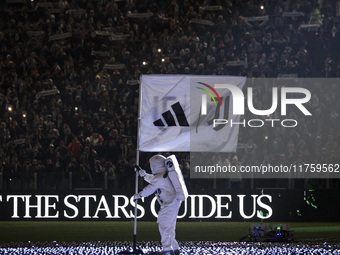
(266, 137)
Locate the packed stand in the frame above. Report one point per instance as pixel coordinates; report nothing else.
(70, 69)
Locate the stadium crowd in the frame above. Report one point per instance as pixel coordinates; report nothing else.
(69, 73)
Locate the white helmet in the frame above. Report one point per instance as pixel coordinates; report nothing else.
(157, 164)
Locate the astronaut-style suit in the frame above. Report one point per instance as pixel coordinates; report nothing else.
(169, 196)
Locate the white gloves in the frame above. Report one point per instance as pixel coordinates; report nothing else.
(140, 170)
(137, 196)
(142, 173)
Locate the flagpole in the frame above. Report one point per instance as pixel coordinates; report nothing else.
(137, 163)
(134, 236)
(136, 202)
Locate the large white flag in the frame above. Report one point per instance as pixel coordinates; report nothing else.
(188, 113)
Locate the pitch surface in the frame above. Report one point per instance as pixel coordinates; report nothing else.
(192, 248)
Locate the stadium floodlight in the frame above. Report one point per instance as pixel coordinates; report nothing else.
(144, 63)
(159, 50)
(262, 7)
(10, 108)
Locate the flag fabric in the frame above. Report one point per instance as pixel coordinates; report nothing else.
(187, 113)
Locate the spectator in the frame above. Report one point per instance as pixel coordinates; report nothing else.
(89, 73)
(75, 147)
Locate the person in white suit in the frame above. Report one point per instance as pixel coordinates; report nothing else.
(169, 196)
